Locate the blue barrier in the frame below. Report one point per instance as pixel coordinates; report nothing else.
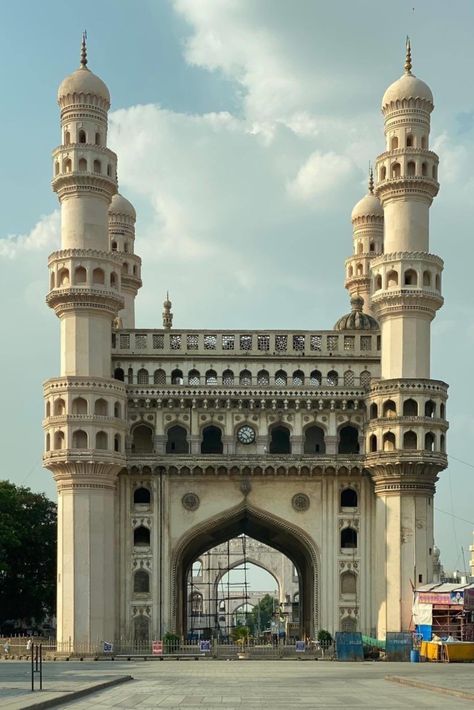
(398, 645)
(349, 646)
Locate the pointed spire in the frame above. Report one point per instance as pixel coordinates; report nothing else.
(167, 315)
(84, 50)
(408, 64)
(371, 180)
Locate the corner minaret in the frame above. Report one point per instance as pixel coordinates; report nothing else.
(85, 408)
(167, 314)
(407, 428)
(122, 217)
(367, 225)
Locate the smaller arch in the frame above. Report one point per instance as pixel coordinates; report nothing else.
(315, 378)
(67, 165)
(177, 377)
(117, 443)
(81, 136)
(142, 439)
(130, 375)
(196, 603)
(350, 272)
(82, 165)
(263, 378)
(67, 138)
(101, 440)
(227, 378)
(97, 166)
(59, 407)
(359, 270)
(360, 248)
(409, 141)
(79, 405)
(141, 496)
(371, 247)
(125, 268)
(348, 539)
(348, 583)
(211, 377)
(114, 246)
(143, 377)
(141, 629)
(245, 378)
(79, 439)
(97, 138)
(349, 378)
(383, 173)
(349, 624)
(177, 442)
(48, 408)
(392, 278)
(395, 170)
(426, 278)
(394, 143)
(57, 167)
(442, 443)
(125, 247)
(47, 444)
(410, 277)
(98, 276)
(194, 378)
(101, 407)
(438, 282)
(280, 440)
(378, 282)
(410, 440)
(141, 536)
(59, 440)
(141, 582)
(117, 410)
(349, 498)
(109, 170)
(212, 440)
(388, 441)
(410, 408)
(411, 168)
(80, 275)
(63, 277)
(348, 440)
(442, 410)
(430, 441)
(332, 378)
(424, 169)
(113, 279)
(389, 408)
(159, 377)
(430, 408)
(435, 172)
(314, 442)
(281, 378)
(373, 411)
(298, 378)
(372, 443)
(119, 374)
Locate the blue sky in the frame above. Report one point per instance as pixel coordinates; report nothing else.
(243, 130)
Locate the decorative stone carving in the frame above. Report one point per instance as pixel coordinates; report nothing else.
(300, 502)
(190, 501)
(245, 486)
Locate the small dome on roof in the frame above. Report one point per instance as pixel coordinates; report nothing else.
(120, 205)
(408, 86)
(368, 206)
(356, 319)
(83, 81)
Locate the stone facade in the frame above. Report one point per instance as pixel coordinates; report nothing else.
(324, 445)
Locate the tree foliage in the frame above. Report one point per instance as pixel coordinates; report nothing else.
(27, 555)
(262, 614)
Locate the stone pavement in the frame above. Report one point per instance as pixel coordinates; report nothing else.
(256, 684)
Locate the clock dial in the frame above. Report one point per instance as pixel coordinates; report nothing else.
(246, 435)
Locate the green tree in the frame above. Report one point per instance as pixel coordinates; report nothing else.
(27, 554)
(262, 614)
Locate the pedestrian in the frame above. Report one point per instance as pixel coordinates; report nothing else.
(6, 648)
(29, 645)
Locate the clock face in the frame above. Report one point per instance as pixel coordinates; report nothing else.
(246, 435)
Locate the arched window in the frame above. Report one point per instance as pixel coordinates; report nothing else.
(97, 166)
(82, 165)
(377, 283)
(426, 278)
(97, 138)
(435, 172)
(80, 275)
(298, 378)
(365, 378)
(194, 378)
(81, 137)
(79, 439)
(142, 496)
(281, 378)
(348, 440)
(98, 276)
(430, 408)
(373, 443)
(360, 248)
(410, 408)
(371, 247)
(212, 440)
(349, 498)
(58, 440)
(177, 442)
(438, 282)
(56, 167)
(332, 378)
(395, 170)
(177, 377)
(142, 376)
(374, 411)
(424, 169)
(383, 173)
(124, 268)
(410, 277)
(349, 624)
(392, 279)
(114, 246)
(67, 138)
(314, 440)
(389, 409)
(141, 536)
(349, 378)
(125, 247)
(442, 443)
(59, 407)
(119, 374)
(442, 410)
(394, 143)
(211, 377)
(79, 405)
(227, 378)
(159, 377)
(197, 568)
(409, 141)
(411, 168)
(429, 441)
(195, 600)
(142, 439)
(410, 440)
(117, 443)
(348, 539)
(109, 170)
(359, 269)
(63, 278)
(350, 271)
(101, 408)
(141, 629)
(141, 582)
(389, 441)
(47, 445)
(101, 440)
(113, 279)
(245, 378)
(67, 165)
(348, 583)
(280, 440)
(48, 408)
(315, 378)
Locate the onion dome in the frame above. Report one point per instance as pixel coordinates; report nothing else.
(119, 205)
(407, 87)
(83, 82)
(356, 319)
(369, 205)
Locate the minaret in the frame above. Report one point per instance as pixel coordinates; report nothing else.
(85, 408)
(122, 219)
(167, 314)
(367, 225)
(406, 431)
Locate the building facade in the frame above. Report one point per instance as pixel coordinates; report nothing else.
(164, 443)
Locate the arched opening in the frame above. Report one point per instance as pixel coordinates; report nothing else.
(280, 440)
(97, 138)
(442, 443)
(67, 138)
(141, 582)
(79, 439)
(377, 283)
(141, 629)
(194, 377)
(117, 443)
(177, 377)
(142, 439)
(389, 409)
(119, 374)
(227, 378)
(394, 143)
(315, 378)
(411, 168)
(360, 248)
(263, 378)
(82, 165)
(211, 377)
(348, 440)
(114, 246)
(410, 440)
(349, 378)
(332, 378)
(177, 442)
(57, 167)
(395, 170)
(410, 277)
(143, 376)
(63, 278)
(392, 279)
(442, 410)
(435, 172)
(245, 378)
(101, 440)
(59, 407)
(80, 275)
(430, 408)
(426, 278)
(67, 165)
(314, 440)
(141, 536)
(438, 282)
(196, 605)
(410, 408)
(424, 169)
(113, 279)
(409, 141)
(348, 539)
(350, 271)
(389, 441)
(159, 377)
(365, 378)
(142, 496)
(359, 270)
(97, 166)
(212, 440)
(47, 444)
(383, 173)
(298, 378)
(48, 408)
(281, 378)
(348, 584)
(81, 137)
(101, 408)
(423, 142)
(98, 276)
(374, 411)
(372, 443)
(59, 440)
(430, 441)
(349, 498)
(79, 405)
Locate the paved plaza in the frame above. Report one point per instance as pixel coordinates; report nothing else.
(242, 684)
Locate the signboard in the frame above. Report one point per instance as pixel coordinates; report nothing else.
(157, 648)
(442, 599)
(300, 647)
(108, 647)
(457, 597)
(204, 646)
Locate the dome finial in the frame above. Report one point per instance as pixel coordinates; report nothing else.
(371, 180)
(84, 50)
(408, 64)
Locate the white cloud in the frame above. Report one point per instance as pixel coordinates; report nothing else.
(320, 175)
(44, 236)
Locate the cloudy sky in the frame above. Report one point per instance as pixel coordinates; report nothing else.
(244, 129)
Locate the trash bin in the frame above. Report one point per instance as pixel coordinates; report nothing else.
(414, 655)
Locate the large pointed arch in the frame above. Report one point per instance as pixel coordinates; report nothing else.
(283, 536)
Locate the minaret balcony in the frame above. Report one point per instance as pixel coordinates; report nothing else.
(86, 456)
(64, 300)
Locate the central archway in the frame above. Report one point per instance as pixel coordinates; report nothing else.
(260, 525)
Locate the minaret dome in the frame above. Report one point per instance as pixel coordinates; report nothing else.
(82, 86)
(407, 88)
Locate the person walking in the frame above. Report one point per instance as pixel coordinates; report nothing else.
(29, 645)
(6, 648)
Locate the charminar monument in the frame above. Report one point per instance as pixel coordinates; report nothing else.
(164, 443)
